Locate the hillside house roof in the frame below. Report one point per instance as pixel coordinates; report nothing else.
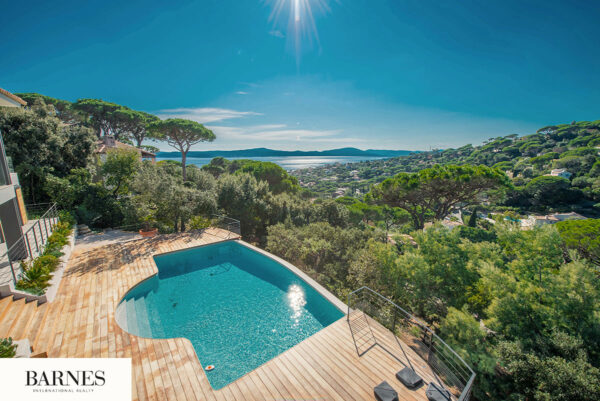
(14, 98)
(105, 144)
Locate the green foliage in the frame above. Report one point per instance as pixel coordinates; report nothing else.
(181, 134)
(278, 179)
(475, 234)
(200, 223)
(40, 144)
(582, 236)
(244, 198)
(527, 157)
(118, 169)
(463, 332)
(7, 348)
(66, 218)
(332, 212)
(438, 190)
(550, 190)
(322, 250)
(37, 274)
(133, 124)
(550, 377)
(100, 115)
(62, 108)
(159, 191)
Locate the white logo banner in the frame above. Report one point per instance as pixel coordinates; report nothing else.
(85, 379)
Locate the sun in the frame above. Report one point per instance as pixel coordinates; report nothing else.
(300, 29)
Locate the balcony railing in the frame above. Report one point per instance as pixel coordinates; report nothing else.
(448, 366)
(35, 235)
(227, 223)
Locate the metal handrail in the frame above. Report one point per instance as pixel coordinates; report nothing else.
(227, 223)
(442, 359)
(25, 248)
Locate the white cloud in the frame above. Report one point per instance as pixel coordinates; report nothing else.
(241, 93)
(277, 33)
(279, 132)
(205, 114)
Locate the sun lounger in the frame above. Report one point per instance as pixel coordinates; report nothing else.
(385, 392)
(436, 392)
(409, 378)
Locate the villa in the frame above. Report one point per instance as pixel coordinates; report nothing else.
(96, 313)
(109, 142)
(536, 221)
(561, 172)
(20, 236)
(204, 315)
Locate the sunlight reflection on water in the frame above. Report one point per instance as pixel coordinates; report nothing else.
(296, 300)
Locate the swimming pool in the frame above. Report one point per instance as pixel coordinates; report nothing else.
(238, 307)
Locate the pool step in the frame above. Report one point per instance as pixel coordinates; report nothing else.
(121, 316)
(131, 318)
(141, 316)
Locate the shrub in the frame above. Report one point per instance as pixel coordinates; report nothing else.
(7, 348)
(66, 217)
(475, 234)
(582, 235)
(35, 278)
(200, 223)
(38, 273)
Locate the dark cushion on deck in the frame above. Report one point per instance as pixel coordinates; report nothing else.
(409, 378)
(436, 392)
(385, 392)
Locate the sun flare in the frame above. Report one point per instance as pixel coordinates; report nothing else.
(300, 29)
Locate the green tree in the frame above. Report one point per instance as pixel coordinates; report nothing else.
(332, 212)
(438, 190)
(119, 168)
(63, 108)
(101, 115)
(40, 144)
(244, 198)
(182, 135)
(134, 124)
(544, 377)
(583, 236)
(159, 191)
(472, 342)
(549, 191)
(279, 180)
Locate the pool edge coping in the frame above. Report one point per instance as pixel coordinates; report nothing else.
(324, 292)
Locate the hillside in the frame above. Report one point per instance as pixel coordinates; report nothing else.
(264, 152)
(574, 147)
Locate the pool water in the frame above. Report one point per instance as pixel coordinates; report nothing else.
(238, 307)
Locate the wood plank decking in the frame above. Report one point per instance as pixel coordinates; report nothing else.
(80, 323)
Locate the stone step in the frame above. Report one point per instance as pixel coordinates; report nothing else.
(141, 315)
(132, 326)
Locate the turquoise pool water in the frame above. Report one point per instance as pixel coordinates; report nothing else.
(239, 308)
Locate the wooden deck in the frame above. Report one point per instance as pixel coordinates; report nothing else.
(80, 323)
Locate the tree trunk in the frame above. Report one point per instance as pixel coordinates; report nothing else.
(417, 221)
(183, 157)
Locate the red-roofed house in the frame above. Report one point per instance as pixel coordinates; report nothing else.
(7, 99)
(109, 142)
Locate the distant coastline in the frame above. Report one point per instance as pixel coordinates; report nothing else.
(264, 152)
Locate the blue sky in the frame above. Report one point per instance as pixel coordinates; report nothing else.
(397, 74)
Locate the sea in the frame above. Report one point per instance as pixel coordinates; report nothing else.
(287, 162)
